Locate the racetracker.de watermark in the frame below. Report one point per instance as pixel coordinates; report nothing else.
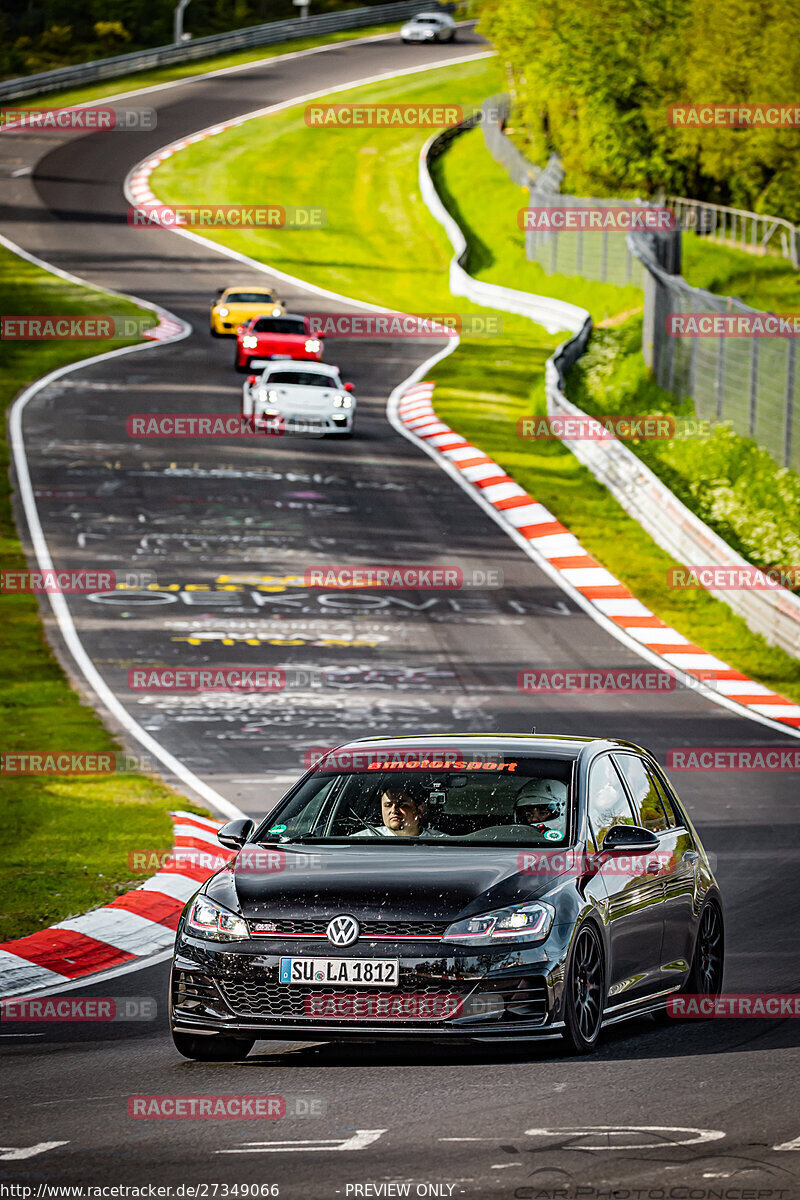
(744, 578)
(206, 679)
(733, 758)
(79, 1008)
(119, 118)
(612, 218)
(611, 679)
(383, 116)
(72, 582)
(727, 1005)
(402, 577)
(364, 1006)
(734, 116)
(625, 427)
(223, 1106)
(58, 328)
(406, 759)
(74, 762)
(212, 425)
(228, 216)
(256, 860)
(735, 325)
(578, 863)
(398, 325)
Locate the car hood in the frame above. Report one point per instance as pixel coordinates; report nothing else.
(424, 883)
(277, 343)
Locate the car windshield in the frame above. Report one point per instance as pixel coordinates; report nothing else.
(302, 378)
(249, 297)
(426, 20)
(279, 325)
(487, 799)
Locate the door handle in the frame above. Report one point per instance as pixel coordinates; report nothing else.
(690, 856)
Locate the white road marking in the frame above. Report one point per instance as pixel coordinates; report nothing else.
(698, 1136)
(795, 1145)
(15, 1153)
(357, 1141)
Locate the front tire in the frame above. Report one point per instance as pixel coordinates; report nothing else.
(213, 331)
(212, 1049)
(584, 992)
(708, 961)
(242, 369)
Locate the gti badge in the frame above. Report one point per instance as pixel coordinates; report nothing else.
(343, 931)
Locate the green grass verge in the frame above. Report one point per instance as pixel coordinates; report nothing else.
(382, 245)
(764, 282)
(65, 839)
(186, 70)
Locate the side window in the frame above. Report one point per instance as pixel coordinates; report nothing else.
(646, 797)
(608, 804)
(676, 817)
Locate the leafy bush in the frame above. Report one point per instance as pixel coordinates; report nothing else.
(727, 480)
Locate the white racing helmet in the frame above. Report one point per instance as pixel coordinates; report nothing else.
(550, 795)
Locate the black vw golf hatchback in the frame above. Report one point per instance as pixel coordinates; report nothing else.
(468, 887)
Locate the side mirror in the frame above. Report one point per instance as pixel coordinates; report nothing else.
(348, 387)
(235, 833)
(630, 838)
(252, 379)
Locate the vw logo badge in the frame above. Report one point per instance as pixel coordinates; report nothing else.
(343, 931)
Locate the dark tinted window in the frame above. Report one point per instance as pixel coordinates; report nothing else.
(485, 799)
(674, 814)
(302, 378)
(249, 297)
(279, 325)
(608, 803)
(646, 798)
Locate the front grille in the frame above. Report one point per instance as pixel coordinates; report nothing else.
(284, 1002)
(369, 929)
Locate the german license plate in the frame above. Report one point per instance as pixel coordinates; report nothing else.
(382, 972)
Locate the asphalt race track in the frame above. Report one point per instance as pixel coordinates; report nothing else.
(660, 1105)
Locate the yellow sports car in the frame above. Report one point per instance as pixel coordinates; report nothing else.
(235, 305)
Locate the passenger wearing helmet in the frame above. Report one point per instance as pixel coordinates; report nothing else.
(542, 803)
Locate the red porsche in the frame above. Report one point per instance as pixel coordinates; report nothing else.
(270, 337)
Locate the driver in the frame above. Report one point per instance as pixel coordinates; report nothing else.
(542, 803)
(403, 813)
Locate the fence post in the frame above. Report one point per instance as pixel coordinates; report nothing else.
(753, 387)
(787, 449)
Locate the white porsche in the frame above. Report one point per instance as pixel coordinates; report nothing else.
(302, 397)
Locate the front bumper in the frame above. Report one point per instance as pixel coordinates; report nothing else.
(443, 993)
(315, 424)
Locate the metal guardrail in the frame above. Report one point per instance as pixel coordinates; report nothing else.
(752, 382)
(736, 227)
(775, 613)
(269, 34)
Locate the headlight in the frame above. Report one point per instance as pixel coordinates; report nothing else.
(210, 920)
(249, 342)
(312, 346)
(277, 312)
(520, 923)
(272, 397)
(223, 312)
(342, 402)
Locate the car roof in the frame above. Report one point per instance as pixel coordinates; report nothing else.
(417, 16)
(562, 745)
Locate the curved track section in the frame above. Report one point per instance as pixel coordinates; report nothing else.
(222, 524)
